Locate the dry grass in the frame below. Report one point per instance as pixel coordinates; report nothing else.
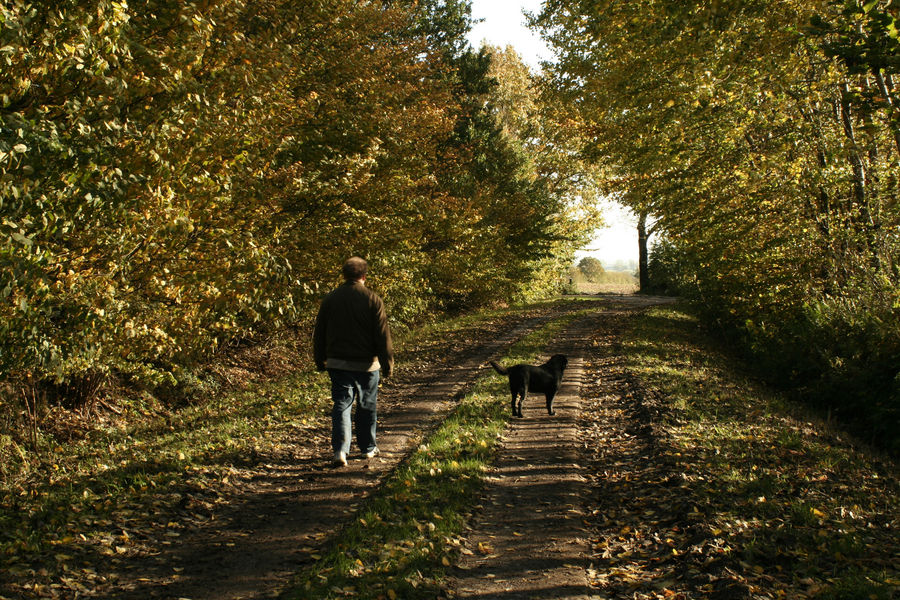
(607, 288)
(608, 282)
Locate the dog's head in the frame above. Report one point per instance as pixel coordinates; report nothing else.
(559, 361)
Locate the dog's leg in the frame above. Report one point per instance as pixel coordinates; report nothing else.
(522, 401)
(517, 398)
(550, 396)
(526, 382)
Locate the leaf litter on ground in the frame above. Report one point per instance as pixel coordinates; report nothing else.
(710, 485)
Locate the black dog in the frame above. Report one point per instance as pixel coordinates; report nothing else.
(545, 378)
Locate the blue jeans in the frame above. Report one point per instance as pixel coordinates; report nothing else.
(348, 387)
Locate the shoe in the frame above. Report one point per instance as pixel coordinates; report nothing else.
(340, 459)
(373, 452)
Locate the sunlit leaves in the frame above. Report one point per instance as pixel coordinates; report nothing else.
(770, 166)
(176, 177)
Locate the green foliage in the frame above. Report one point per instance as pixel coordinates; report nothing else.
(664, 270)
(445, 23)
(177, 177)
(763, 138)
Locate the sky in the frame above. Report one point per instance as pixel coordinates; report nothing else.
(503, 23)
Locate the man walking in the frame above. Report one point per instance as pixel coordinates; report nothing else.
(352, 340)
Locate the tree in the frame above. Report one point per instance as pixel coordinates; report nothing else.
(591, 268)
(180, 177)
(176, 178)
(760, 137)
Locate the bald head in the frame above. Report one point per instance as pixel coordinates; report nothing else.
(355, 268)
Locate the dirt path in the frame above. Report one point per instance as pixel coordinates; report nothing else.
(278, 513)
(527, 540)
(282, 511)
(530, 539)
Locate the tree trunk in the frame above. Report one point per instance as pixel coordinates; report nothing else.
(643, 276)
(859, 170)
(862, 206)
(887, 90)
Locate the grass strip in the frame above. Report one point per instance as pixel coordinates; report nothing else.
(404, 538)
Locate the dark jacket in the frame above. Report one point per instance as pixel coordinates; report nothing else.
(352, 326)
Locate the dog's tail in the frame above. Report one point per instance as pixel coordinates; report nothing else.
(499, 369)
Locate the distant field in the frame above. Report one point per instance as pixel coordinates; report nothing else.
(606, 288)
(611, 282)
